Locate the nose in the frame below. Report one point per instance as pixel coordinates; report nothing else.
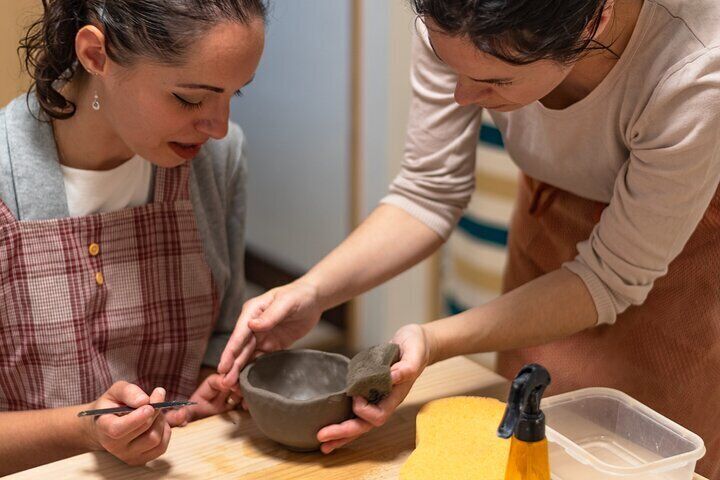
(468, 94)
(215, 125)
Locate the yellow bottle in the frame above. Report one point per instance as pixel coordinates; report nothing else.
(525, 423)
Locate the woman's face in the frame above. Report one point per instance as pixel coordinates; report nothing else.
(488, 82)
(165, 114)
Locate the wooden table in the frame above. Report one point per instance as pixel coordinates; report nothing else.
(230, 446)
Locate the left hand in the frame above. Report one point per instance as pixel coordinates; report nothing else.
(212, 397)
(414, 357)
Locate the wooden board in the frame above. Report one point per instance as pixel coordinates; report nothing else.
(230, 446)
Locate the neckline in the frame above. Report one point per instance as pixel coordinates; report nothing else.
(113, 171)
(647, 12)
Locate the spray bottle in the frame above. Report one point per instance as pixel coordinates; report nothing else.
(525, 423)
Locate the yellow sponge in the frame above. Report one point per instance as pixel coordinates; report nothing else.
(456, 439)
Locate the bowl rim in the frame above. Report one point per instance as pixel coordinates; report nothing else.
(245, 384)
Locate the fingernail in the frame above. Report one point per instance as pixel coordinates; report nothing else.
(161, 391)
(148, 410)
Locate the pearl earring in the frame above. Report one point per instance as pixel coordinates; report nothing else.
(96, 103)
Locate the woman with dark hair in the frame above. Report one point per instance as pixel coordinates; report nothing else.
(121, 223)
(611, 109)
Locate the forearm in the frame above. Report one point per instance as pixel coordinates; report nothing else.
(37, 437)
(548, 308)
(387, 243)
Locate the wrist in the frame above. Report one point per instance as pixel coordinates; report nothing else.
(318, 293)
(87, 440)
(432, 343)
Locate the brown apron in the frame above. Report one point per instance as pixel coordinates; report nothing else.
(665, 353)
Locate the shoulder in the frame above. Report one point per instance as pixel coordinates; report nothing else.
(700, 17)
(684, 108)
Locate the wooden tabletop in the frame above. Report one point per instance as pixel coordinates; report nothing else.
(230, 446)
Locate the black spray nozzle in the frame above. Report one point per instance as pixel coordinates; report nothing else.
(523, 417)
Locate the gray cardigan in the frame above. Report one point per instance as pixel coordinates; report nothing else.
(32, 186)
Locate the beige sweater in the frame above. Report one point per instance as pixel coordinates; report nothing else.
(646, 141)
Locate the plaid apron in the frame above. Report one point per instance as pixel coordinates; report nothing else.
(87, 301)
(665, 353)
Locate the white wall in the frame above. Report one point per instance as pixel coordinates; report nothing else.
(388, 29)
(296, 118)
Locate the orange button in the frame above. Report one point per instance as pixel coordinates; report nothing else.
(99, 278)
(94, 249)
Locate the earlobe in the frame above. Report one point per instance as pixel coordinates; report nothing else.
(605, 16)
(90, 49)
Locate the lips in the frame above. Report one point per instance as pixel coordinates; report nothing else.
(187, 151)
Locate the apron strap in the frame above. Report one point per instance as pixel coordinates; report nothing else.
(6, 216)
(172, 184)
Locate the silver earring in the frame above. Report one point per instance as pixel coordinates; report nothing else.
(96, 103)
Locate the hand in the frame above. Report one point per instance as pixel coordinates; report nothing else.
(414, 357)
(273, 321)
(212, 397)
(135, 438)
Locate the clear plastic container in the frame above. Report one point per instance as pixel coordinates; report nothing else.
(601, 433)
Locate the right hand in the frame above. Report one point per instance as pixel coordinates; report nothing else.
(272, 321)
(136, 438)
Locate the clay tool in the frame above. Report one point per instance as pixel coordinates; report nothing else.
(116, 410)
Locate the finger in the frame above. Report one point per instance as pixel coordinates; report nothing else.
(245, 405)
(378, 415)
(276, 312)
(177, 418)
(158, 450)
(234, 400)
(242, 333)
(157, 395)
(124, 393)
(116, 427)
(409, 366)
(209, 389)
(231, 378)
(328, 447)
(347, 429)
(150, 438)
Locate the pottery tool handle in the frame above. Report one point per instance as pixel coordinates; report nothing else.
(116, 410)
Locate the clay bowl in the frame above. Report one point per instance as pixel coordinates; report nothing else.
(292, 394)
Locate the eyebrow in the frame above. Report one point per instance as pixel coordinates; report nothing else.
(200, 86)
(480, 80)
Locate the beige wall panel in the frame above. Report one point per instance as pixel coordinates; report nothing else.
(15, 16)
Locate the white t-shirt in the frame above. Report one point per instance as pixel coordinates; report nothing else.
(93, 191)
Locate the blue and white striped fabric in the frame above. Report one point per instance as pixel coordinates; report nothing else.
(475, 255)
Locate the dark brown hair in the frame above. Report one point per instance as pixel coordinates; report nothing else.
(520, 31)
(161, 30)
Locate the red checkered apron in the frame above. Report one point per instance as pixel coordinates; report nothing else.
(88, 301)
(665, 353)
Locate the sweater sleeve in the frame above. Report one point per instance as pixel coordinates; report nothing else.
(437, 175)
(662, 191)
(235, 211)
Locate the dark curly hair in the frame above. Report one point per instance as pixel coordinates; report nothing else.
(161, 30)
(520, 31)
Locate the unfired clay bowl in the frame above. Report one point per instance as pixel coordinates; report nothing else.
(292, 394)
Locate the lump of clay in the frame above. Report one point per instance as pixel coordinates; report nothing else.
(369, 372)
(456, 439)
